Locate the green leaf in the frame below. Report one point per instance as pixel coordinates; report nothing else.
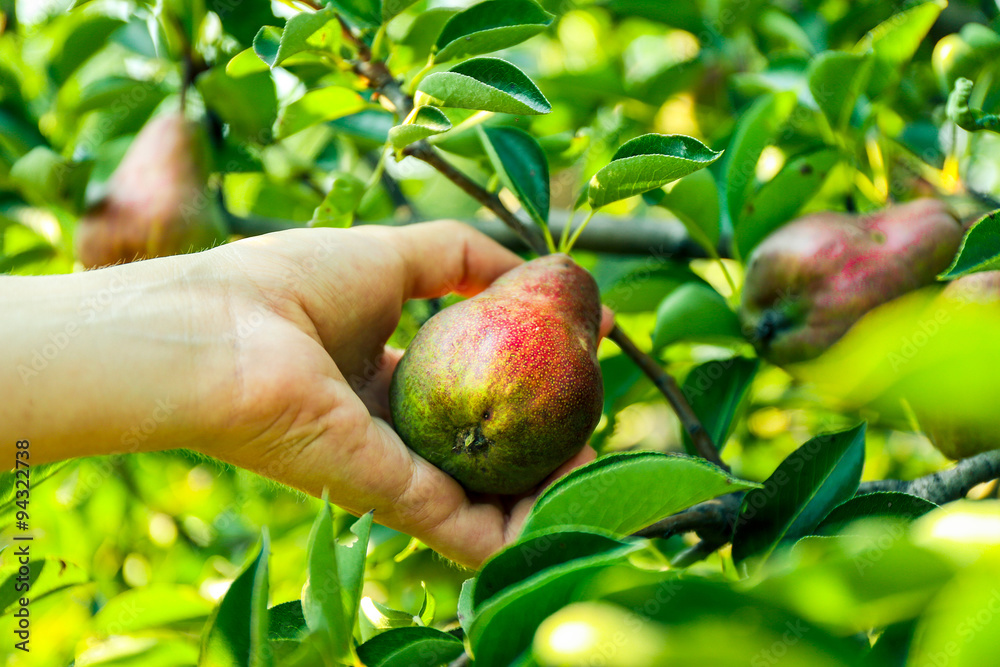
(961, 626)
(753, 133)
(803, 489)
(76, 37)
(39, 473)
(836, 78)
(695, 201)
(375, 618)
(318, 106)
(505, 625)
(422, 33)
(522, 166)
(427, 607)
(980, 249)
(634, 286)
(710, 623)
(126, 651)
(694, 311)
(36, 253)
(286, 622)
(410, 647)
(880, 504)
(236, 634)
(46, 576)
(425, 122)
(782, 197)
(151, 607)
(465, 612)
(47, 178)
(537, 552)
(624, 492)
(648, 162)
(322, 599)
(364, 13)
(333, 589)
(243, 21)
(246, 62)
(487, 84)
(275, 46)
(715, 390)
(392, 8)
(895, 41)
(490, 26)
(248, 103)
(340, 203)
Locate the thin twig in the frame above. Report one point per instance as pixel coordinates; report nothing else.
(422, 151)
(668, 387)
(461, 661)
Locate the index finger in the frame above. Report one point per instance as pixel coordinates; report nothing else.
(448, 256)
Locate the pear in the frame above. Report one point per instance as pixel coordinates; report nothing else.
(812, 279)
(158, 202)
(501, 389)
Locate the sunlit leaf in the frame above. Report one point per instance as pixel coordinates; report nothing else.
(648, 162)
(624, 492)
(980, 249)
(490, 26)
(318, 106)
(488, 84)
(236, 635)
(694, 312)
(426, 122)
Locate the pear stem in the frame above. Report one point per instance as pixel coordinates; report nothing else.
(579, 230)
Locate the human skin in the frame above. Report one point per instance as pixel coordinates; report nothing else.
(268, 353)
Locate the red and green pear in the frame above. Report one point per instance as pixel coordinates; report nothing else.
(158, 202)
(501, 389)
(812, 279)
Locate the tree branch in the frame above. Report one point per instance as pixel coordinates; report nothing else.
(718, 516)
(944, 485)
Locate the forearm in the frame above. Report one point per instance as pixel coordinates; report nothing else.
(112, 361)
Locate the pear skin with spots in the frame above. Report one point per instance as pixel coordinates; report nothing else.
(501, 389)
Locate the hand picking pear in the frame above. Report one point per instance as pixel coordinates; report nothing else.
(158, 202)
(811, 280)
(501, 389)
